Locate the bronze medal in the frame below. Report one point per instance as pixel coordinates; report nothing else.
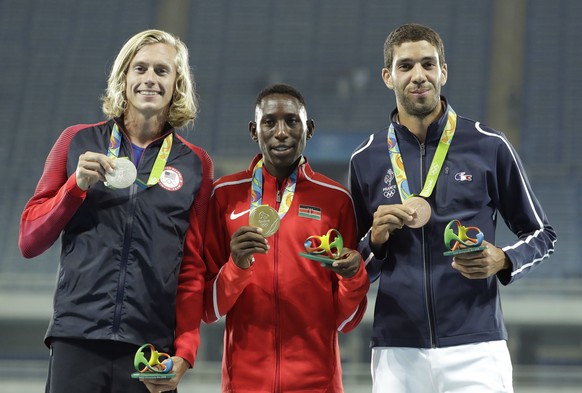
(265, 217)
(422, 212)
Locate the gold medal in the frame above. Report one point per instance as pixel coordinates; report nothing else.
(265, 217)
(422, 212)
(123, 175)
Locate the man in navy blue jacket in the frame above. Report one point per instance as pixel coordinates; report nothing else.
(131, 270)
(438, 324)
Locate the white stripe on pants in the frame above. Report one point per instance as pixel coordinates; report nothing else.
(472, 368)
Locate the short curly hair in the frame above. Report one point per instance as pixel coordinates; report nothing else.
(184, 103)
(280, 88)
(412, 32)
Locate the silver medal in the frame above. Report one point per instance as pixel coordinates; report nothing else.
(123, 175)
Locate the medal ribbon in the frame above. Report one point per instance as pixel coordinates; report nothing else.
(257, 188)
(159, 164)
(435, 165)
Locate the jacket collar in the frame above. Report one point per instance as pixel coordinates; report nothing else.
(120, 123)
(304, 170)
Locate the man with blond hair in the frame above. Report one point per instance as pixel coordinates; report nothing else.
(128, 197)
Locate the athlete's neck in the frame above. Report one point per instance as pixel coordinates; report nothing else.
(418, 125)
(281, 173)
(142, 130)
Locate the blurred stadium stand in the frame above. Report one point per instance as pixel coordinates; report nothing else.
(56, 56)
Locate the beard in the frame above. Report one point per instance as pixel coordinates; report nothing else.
(419, 108)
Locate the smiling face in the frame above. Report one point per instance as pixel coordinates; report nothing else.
(151, 77)
(281, 129)
(416, 76)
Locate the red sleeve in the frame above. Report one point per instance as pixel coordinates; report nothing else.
(225, 281)
(190, 291)
(203, 196)
(55, 200)
(352, 291)
(351, 294)
(223, 290)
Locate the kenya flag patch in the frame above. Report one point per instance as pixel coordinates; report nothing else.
(310, 212)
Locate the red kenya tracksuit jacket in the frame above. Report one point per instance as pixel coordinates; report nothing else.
(131, 266)
(283, 314)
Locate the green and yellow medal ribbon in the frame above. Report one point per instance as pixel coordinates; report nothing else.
(288, 193)
(435, 166)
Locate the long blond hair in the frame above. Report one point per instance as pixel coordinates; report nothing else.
(184, 105)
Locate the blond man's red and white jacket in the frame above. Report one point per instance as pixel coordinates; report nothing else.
(283, 314)
(131, 267)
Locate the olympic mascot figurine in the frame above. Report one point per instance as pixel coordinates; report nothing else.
(152, 368)
(326, 248)
(462, 242)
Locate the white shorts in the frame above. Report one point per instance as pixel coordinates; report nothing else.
(473, 368)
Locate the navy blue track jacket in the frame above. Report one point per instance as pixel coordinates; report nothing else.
(131, 267)
(422, 302)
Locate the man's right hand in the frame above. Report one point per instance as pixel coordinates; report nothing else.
(245, 242)
(387, 219)
(91, 168)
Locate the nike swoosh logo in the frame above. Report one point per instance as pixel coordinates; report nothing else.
(234, 216)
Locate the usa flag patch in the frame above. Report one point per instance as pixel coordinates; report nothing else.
(310, 212)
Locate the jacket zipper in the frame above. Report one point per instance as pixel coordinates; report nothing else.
(124, 257)
(123, 263)
(425, 262)
(276, 293)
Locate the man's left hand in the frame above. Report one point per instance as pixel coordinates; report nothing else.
(165, 385)
(348, 264)
(482, 264)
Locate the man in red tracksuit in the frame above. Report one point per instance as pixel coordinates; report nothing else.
(283, 311)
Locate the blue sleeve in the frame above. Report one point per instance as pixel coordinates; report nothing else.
(523, 215)
(373, 261)
(364, 218)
